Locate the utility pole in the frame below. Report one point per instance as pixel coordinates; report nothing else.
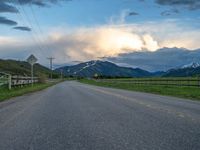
(51, 64)
(61, 74)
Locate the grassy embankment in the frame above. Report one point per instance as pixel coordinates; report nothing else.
(176, 91)
(5, 93)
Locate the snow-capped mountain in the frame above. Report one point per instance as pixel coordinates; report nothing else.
(192, 69)
(191, 65)
(103, 68)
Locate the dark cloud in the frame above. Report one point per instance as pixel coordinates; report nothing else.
(5, 21)
(133, 13)
(169, 12)
(22, 28)
(4, 7)
(34, 2)
(189, 4)
(8, 6)
(42, 3)
(162, 59)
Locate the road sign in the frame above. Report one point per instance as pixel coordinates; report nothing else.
(32, 59)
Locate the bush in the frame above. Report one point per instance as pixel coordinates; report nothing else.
(42, 78)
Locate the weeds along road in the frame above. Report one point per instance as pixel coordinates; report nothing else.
(75, 116)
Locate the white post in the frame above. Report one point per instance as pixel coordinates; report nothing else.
(32, 74)
(9, 82)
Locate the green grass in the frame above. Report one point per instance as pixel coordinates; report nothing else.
(193, 81)
(176, 91)
(18, 91)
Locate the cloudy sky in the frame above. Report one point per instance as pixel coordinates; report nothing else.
(136, 33)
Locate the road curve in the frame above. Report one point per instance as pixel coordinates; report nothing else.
(75, 116)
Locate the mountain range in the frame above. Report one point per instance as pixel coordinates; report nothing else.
(97, 67)
(191, 65)
(109, 69)
(102, 68)
(188, 70)
(159, 60)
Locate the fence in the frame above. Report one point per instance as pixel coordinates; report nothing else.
(155, 81)
(11, 81)
(20, 80)
(5, 79)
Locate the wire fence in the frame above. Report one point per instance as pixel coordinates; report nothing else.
(160, 81)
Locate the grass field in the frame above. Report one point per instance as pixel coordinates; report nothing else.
(180, 81)
(177, 91)
(18, 91)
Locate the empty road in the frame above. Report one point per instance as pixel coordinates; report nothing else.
(75, 116)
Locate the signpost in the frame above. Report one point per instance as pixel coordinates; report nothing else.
(32, 60)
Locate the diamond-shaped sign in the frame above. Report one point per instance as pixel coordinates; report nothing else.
(32, 59)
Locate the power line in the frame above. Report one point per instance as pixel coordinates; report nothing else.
(34, 16)
(31, 25)
(42, 33)
(19, 15)
(28, 20)
(38, 24)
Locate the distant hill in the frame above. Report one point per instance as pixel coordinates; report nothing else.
(22, 68)
(102, 68)
(158, 73)
(192, 69)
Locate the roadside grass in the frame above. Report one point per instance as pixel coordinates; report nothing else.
(176, 91)
(5, 93)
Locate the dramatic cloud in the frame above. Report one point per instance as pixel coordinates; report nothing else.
(161, 60)
(189, 4)
(85, 43)
(6, 21)
(90, 43)
(4, 7)
(22, 28)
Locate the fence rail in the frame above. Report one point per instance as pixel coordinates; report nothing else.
(20, 80)
(11, 81)
(170, 82)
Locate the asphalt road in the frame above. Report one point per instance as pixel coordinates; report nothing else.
(74, 116)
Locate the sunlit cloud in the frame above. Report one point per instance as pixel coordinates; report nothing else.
(86, 43)
(5, 41)
(91, 43)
